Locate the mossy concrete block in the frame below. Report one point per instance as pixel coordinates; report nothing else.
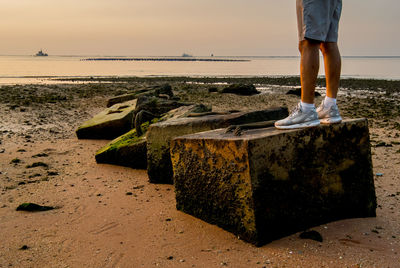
(159, 135)
(128, 150)
(110, 123)
(270, 183)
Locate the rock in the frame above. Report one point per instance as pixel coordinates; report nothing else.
(110, 123)
(270, 183)
(148, 108)
(297, 92)
(155, 91)
(159, 135)
(157, 106)
(163, 89)
(32, 207)
(40, 155)
(383, 144)
(38, 164)
(15, 161)
(241, 89)
(313, 235)
(128, 150)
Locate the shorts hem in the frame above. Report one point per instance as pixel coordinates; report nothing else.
(318, 39)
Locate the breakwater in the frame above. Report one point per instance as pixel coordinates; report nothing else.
(165, 59)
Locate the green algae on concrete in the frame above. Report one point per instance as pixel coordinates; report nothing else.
(110, 123)
(128, 150)
(270, 183)
(159, 168)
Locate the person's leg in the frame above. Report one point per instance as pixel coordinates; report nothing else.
(333, 64)
(305, 114)
(328, 111)
(309, 67)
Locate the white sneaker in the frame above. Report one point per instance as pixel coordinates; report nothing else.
(329, 115)
(299, 119)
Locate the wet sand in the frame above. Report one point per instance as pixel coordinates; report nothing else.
(110, 216)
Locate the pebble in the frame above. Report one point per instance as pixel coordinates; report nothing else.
(24, 247)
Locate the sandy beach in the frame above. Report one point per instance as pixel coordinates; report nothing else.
(111, 216)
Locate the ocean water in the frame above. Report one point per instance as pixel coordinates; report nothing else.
(30, 69)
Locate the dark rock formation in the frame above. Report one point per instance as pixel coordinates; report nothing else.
(32, 207)
(313, 235)
(241, 89)
(297, 92)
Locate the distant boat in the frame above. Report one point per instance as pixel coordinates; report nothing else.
(41, 54)
(186, 55)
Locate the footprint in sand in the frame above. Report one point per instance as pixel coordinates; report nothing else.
(355, 243)
(104, 228)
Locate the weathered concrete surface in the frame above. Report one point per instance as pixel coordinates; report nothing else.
(159, 135)
(122, 98)
(270, 183)
(184, 111)
(110, 123)
(156, 90)
(128, 150)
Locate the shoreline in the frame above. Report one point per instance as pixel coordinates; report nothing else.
(289, 80)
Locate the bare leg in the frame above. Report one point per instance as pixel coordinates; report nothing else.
(309, 66)
(333, 64)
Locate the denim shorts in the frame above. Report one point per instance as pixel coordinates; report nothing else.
(318, 19)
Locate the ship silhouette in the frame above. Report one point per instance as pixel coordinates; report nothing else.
(41, 54)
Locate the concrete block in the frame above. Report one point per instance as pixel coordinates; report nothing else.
(110, 123)
(127, 150)
(121, 98)
(270, 183)
(130, 150)
(159, 135)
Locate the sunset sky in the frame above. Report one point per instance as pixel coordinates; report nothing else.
(198, 27)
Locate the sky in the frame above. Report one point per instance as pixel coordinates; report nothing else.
(197, 27)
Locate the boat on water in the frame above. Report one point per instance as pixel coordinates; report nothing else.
(41, 54)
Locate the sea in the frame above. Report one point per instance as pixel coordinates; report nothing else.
(44, 70)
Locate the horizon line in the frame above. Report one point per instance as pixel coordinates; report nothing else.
(208, 56)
